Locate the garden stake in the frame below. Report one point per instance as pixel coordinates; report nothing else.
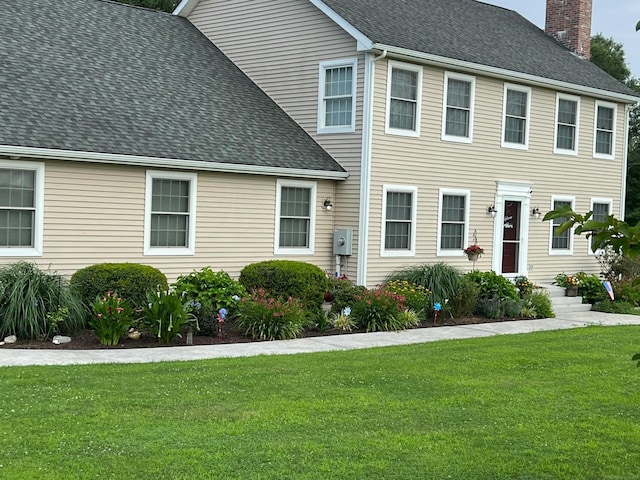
(436, 309)
(222, 313)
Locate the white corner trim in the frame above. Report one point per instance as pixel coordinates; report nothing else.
(185, 7)
(363, 41)
(505, 74)
(173, 163)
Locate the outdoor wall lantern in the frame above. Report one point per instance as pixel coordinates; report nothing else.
(491, 210)
(535, 213)
(327, 205)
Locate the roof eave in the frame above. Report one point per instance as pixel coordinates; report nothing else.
(155, 162)
(503, 73)
(364, 42)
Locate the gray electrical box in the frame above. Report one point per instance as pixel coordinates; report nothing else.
(342, 240)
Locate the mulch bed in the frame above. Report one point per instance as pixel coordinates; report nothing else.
(86, 340)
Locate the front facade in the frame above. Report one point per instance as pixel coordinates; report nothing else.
(442, 152)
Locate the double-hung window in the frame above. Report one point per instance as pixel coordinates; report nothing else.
(561, 243)
(515, 127)
(337, 96)
(404, 94)
(399, 222)
(567, 124)
(295, 217)
(605, 133)
(21, 208)
(601, 208)
(457, 122)
(170, 213)
(453, 221)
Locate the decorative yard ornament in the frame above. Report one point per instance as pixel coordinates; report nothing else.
(609, 289)
(436, 309)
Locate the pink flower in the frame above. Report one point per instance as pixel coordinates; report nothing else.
(99, 315)
(119, 309)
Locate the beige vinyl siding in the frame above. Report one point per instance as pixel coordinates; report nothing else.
(430, 164)
(94, 213)
(279, 44)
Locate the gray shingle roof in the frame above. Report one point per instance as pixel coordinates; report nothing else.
(98, 76)
(475, 32)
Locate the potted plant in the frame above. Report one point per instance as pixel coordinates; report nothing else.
(569, 282)
(473, 252)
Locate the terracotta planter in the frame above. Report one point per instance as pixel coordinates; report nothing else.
(571, 292)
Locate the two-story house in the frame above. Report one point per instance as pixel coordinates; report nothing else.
(237, 131)
(457, 121)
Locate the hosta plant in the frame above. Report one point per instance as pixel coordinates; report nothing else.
(111, 318)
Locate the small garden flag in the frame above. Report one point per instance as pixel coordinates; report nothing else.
(609, 289)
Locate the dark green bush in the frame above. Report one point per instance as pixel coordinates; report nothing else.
(463, 303)
(490, 307)
(35, 304)
(590, 288)
(344, 293)
(130, 280)
(442, 280)
(626, 291)
(492, 285)
(608, 306)
(287, 278)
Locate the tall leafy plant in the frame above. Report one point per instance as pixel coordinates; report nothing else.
(167, 312)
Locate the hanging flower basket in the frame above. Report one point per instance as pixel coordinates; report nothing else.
(473, 252)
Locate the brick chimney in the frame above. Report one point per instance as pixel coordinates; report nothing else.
(569, 21)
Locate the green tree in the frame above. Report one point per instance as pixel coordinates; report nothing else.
(163, 5)
(609, 56)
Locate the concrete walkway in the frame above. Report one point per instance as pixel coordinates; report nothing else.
(16, 357)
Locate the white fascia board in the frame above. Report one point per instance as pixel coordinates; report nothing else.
(93, 157)
(505, 74)
(185, 7)
(364, 43)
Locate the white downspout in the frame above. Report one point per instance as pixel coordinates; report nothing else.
(365, 165)
(625, 159)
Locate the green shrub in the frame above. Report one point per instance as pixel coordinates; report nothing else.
(378, 309)
(591, 289)
(538, 304)
(463, 303)
(626, 291)
(130, 280)
(165, 314)
(265, 318)
(491, 285)
(344, 294)
(490, 307)
(416, 297)
(442, 280)
(35, 304)
(112, 317)
(511, 308)
(621, 306)
(524, 286)
(205, 286)
(287, 278)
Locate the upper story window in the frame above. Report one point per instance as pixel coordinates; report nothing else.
(337, 96)
(561, 243)
(457, 122)
(515, 127)
(404, 94)
(567, 122)
(21, 208)
(453, 221)
(399, 222)
(295, 217)
(601, 208)
(605, 130)
(170, 213)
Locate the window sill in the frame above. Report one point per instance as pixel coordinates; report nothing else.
(515, 146)
(167, 252)
(329, 130)
(402, 133)
(293, 251)
(20, 252)
(454, 139)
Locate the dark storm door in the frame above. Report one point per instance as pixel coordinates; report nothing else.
(511, 237)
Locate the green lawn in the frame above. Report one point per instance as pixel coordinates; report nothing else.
(537, 406)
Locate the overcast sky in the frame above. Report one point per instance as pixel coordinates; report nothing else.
(613, 18)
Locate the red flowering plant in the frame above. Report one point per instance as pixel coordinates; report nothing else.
(112, 317)
(473, 250)
(378, 309)
(260, 316)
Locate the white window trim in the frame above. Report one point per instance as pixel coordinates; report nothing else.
(563, 151)
(312, 218)
(38, 219)
(346, 62)
(411, 252)
(454, 252)
(568, 251)
(594, 200)
(614, 107)
(472, 95)
(413, 68)
(192, 178)
(518, 88)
